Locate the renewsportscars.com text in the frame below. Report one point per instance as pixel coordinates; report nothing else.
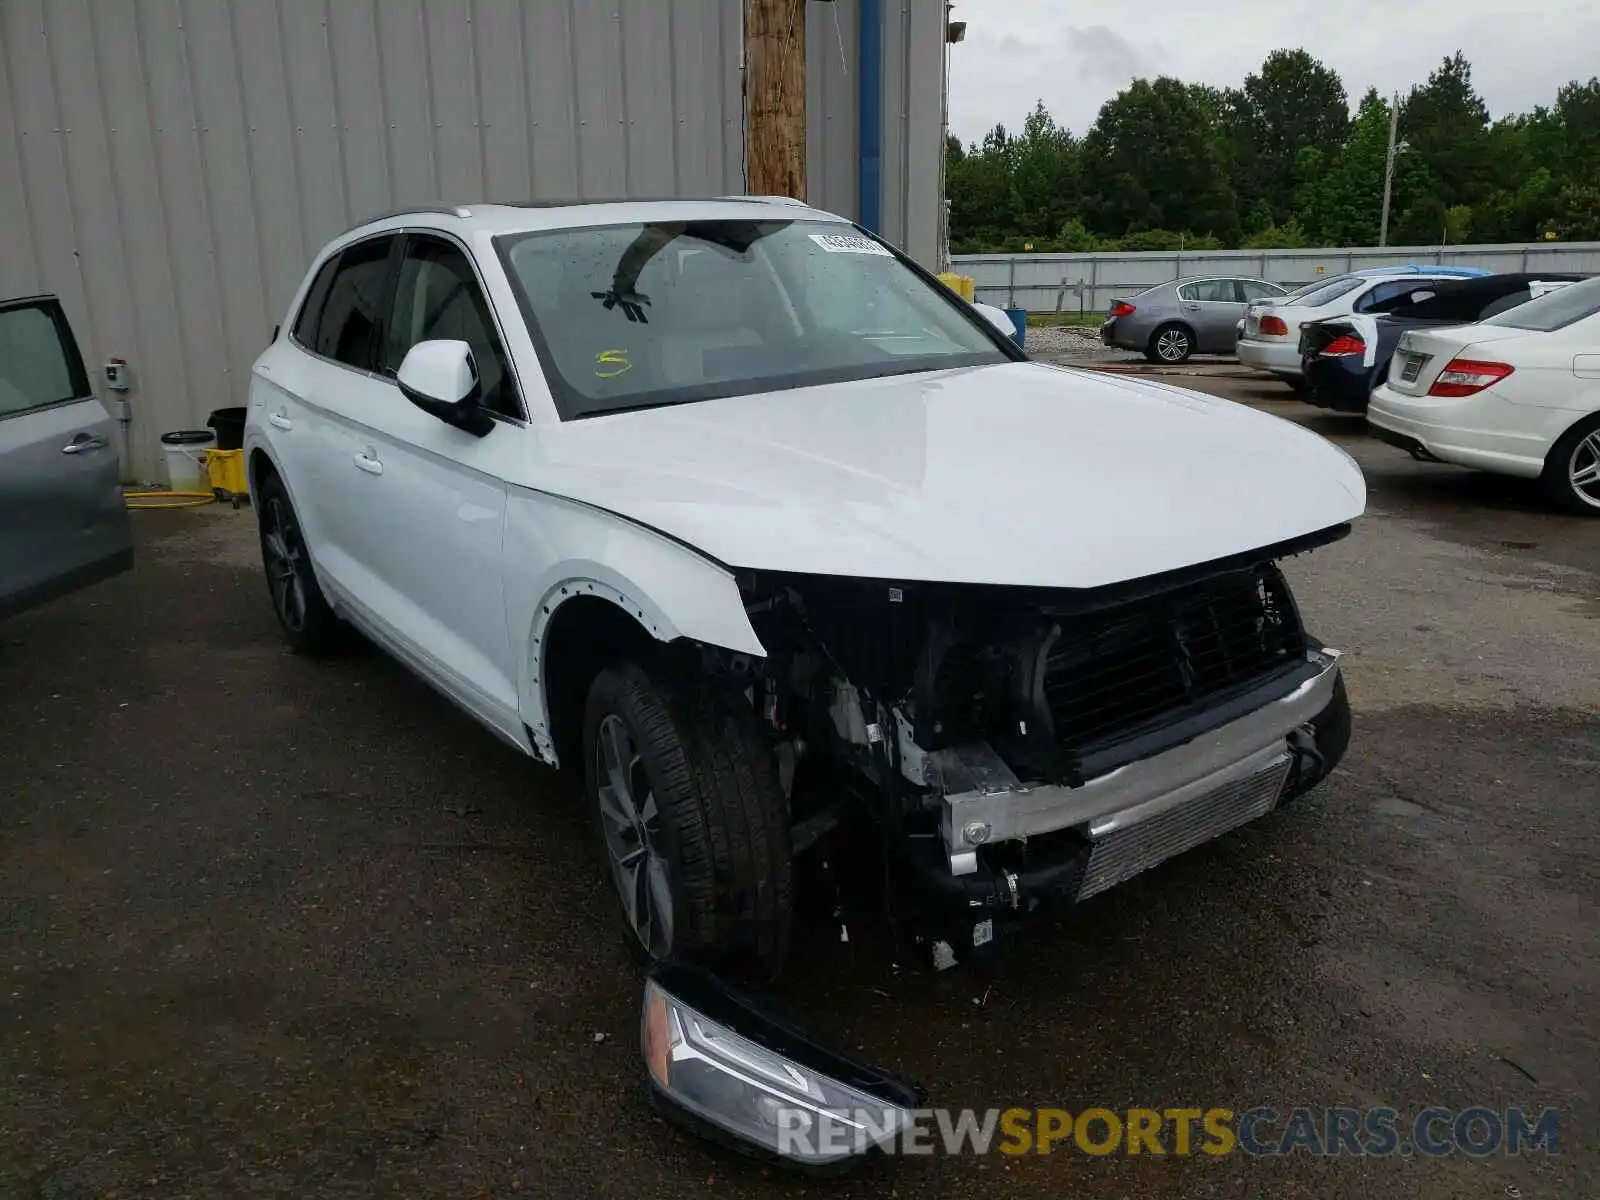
(1181, 1132)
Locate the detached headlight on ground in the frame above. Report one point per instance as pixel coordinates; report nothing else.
(774, 1091)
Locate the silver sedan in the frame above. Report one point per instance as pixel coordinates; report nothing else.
(1171, 321)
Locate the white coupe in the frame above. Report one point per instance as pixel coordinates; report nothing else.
(1517, 394)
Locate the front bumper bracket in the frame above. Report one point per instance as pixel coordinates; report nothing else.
(985, 803)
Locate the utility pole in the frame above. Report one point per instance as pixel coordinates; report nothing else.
(1388, 168)
(775, 97)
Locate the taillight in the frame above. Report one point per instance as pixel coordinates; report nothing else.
(1123, 309)
(1344, 344)
(1466, 376)
(1274, 325)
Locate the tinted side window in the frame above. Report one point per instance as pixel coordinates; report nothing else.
(353, 309)
(1212, 291)
(1520, 296)
(39, 363)
(305, 325)
(1389, 291)
(437, 297)
(1255, 289)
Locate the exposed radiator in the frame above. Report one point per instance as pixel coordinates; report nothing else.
(1126, 852)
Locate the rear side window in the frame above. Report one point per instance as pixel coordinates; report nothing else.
(1256, 289)
(39, 363)
(1328, 292)
(347, 326)
(1210, 291)
(305, 325)
(1391, 290)
(1554, 310)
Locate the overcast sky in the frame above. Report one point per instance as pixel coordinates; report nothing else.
(1076, 56)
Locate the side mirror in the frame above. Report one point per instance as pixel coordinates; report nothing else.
(998, 318)
(440, 378)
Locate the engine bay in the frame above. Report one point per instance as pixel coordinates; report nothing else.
(989, 733)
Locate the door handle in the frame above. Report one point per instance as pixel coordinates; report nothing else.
(368, 464)
(1191, 308)
(281, 421)
(85, 443)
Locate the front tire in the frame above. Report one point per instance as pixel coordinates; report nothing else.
(1572, 472)
(308, 621)
(692, 824)
(1170, 344)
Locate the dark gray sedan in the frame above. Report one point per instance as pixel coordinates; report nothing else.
(1171, 321)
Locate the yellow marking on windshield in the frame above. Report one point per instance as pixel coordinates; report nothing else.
(610, 364)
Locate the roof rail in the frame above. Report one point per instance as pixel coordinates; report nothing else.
(443, 210)
(592, 200)
(789, 200)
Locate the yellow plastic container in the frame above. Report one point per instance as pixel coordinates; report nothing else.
(962, 285)
(226, 469)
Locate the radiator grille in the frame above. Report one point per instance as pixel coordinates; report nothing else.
(1126, 852)
(1123, 668)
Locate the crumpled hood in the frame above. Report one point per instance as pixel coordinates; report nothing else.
(1018, 473)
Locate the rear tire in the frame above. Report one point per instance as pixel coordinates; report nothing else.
(1170, 344)
(692, 825)
(308, 622)
(1298, 384)
(1572, 471)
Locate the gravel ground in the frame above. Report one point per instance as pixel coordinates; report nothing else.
(1047, 341)
(282, 928)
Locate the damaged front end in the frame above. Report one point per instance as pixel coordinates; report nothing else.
(1017, 745)
(1011, 747)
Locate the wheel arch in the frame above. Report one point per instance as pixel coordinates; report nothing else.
(603, 579)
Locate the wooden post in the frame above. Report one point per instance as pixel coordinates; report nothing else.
(775, 97)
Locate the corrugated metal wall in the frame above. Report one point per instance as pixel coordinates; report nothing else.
(179, 162)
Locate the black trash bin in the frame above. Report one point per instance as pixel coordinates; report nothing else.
(228, 424)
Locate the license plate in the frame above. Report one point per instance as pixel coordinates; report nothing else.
(1412, 367)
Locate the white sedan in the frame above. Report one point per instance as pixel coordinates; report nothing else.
(1518, 394)
(1270, 338)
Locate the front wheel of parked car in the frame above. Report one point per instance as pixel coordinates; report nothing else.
(692, 824)
(308, 622)
(1572, 472)
(1170, 344)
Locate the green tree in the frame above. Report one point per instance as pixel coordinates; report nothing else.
(1277, 162)
(1445, 124)
(1044, 174)
(1340, 201)
(1075, 238)
(1153, 160)
(1293, 103)
(983, 205)
(1288, 236)
(1576, 216)
(1577, 114)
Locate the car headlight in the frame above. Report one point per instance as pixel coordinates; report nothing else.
(777, 1099)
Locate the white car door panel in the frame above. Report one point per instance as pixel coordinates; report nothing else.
(417, 507)
(423, 527)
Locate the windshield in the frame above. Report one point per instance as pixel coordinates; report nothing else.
(1553, 310)
(636, 316)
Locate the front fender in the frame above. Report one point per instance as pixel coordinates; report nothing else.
(557, 550)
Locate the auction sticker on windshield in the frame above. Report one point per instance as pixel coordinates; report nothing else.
(840, 243)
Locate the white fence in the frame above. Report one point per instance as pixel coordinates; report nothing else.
(1090, 282)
